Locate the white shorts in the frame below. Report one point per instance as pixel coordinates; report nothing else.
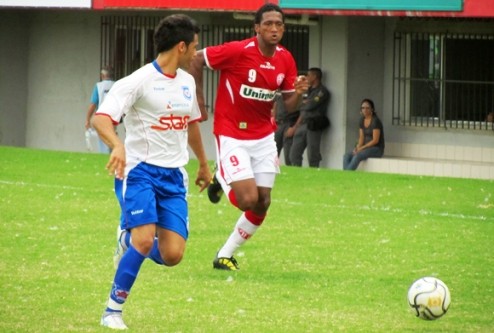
(245, 159)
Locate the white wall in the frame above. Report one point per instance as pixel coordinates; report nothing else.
(64, 65)
(334, 50)
(49, 62)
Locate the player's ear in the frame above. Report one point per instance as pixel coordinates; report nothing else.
(182, 47)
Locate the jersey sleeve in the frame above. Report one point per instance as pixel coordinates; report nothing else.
(120, 99)
(222, 56)
(291, 75)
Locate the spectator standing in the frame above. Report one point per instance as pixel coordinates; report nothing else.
(100, 91)
(371, 137)
(307, 132)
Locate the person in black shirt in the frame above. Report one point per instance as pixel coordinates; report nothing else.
(371, 137)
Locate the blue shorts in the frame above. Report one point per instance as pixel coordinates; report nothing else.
(154, 195)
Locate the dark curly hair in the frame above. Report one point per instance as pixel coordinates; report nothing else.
(174, 29)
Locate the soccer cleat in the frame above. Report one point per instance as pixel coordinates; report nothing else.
(214, 190)
(121, 246)
(113, 320)
(227, 264)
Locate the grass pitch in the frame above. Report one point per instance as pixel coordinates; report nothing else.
(337, 253)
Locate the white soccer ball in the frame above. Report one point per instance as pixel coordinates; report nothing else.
(429, 298)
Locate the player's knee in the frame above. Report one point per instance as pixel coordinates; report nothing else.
(172, 258)
(247, 201)
(143, 245)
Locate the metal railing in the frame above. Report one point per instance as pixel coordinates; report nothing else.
(443, 80)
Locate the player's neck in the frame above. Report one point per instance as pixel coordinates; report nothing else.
(168, 63)
(266, 50)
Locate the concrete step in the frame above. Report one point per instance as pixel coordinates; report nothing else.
(429, 167)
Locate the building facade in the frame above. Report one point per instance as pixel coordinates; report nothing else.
(430, 73)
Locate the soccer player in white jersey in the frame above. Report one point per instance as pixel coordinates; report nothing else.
(161, 115)
(251, 72)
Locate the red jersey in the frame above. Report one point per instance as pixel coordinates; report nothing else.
(247, 86)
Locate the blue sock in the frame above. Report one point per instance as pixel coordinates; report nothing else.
(125, 277)
(127, 239)
(155, 254)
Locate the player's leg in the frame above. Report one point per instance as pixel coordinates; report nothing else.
(215, 189)
(265, 164)
(126, 274)
(173, 218)
(246, 226)
(139, 197)
(124, 234)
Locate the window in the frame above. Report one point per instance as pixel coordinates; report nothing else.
(443, 80)
(127, 43)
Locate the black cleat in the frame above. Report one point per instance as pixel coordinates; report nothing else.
(227, 264)
(214, 190)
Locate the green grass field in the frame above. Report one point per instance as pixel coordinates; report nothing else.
(337, 253)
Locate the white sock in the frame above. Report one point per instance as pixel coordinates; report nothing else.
(243, 230)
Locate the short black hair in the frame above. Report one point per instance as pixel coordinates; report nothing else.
(174, 29)
(317, 72)
(268, 7)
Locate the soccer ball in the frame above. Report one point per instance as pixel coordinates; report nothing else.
(429, 298)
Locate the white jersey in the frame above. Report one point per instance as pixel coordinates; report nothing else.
(156, 110)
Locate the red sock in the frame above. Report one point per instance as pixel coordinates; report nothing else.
(253, 218)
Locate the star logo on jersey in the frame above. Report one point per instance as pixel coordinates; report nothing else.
(267, 65)
(172, 122)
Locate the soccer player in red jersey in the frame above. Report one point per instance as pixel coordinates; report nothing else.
(251, 72)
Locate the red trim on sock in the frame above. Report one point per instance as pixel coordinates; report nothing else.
(253, 218)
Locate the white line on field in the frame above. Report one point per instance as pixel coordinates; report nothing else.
(41, 185)
(285, 202)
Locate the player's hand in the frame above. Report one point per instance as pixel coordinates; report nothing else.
(116, 163)
(204, 177)
(301, 84)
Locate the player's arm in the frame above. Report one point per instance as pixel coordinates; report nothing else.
(195, 70)
(104, 125)
(195, 142)
(293, 99)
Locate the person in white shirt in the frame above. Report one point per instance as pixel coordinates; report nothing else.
(100, 91)
(161, 115)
